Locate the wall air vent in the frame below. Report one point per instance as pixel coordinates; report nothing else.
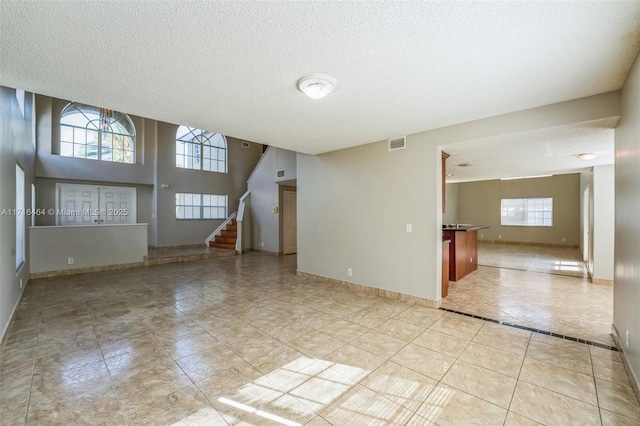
(397, 143)
(245, 144)
(280, 173)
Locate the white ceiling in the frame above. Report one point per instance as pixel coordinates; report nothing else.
(401, 67)
(539, 152)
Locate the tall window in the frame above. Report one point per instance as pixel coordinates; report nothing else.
(526, 211)
(201, 206)
(20, 217)
(201, 150)
(97, 134)
(33, 204)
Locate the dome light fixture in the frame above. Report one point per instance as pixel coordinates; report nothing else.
(586, 156)
(317, 86)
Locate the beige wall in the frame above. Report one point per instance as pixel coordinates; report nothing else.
(480, 204)
(353, 208)
(452, 204)
(354, 204)
(52, 246)
(603, 221)
(172, 231)
(265, 190)
(626, 303)
(16, 147)
(155, 165)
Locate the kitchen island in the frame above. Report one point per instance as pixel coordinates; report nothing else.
(463, 249)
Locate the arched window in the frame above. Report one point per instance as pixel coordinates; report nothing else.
(201, 150)
(97, 134)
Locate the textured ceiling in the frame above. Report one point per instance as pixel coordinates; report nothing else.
(540, 152)
(401, 67)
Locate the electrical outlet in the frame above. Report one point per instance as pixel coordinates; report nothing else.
(261, 244)
(563, 239)
(409, 227)
(499, 236)
(627, 338)
(481, 235)
(349, 272)
(70, 261)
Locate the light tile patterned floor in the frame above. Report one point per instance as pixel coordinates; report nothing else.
(542, 297)
(244, 340)
(533, 258)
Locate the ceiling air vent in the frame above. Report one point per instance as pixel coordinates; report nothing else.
(397, 143)
(280, 173)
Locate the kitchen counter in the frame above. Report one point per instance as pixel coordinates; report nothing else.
(462, 227)
(463, 249)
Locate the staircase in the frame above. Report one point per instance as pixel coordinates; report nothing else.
(226, 239)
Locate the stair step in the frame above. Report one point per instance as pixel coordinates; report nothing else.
(230, 227)
(225, 240)
(228, 234)
(222, 246)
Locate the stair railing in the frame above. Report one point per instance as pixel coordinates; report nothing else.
(243, 207)
(220, 228)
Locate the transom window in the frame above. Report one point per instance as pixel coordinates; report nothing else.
(526, 211)
(201, 150)
(200, 206)
(96, 134)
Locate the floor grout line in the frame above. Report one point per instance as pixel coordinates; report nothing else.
(535, 330)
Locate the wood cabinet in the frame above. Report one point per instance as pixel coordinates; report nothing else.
(445, 268)
(444, 180)
(463, 253)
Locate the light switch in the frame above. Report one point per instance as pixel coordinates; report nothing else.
(409, 227)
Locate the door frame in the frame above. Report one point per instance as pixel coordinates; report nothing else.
(281, 221)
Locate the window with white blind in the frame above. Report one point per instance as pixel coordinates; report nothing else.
(201, 206)
(526, 211)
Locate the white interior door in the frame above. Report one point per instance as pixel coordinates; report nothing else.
(77, 205)
(117, 204)
(95, 205)
(290, 223)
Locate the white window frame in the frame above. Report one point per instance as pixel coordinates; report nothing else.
(33, 203)
(191, 206)
(198, 149)
(527, 212)
(20, 218)
(116, 134)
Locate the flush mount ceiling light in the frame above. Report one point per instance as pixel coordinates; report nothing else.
(317, 86)
(586, 156)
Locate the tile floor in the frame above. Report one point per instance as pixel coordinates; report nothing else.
(549, 260)
(539, 297)
(186, 254)
(243, 340)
